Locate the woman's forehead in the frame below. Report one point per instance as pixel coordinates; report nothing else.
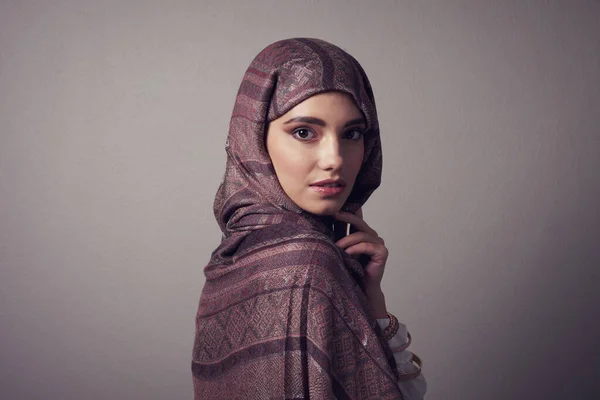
(330, 107)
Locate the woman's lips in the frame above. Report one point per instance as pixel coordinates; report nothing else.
(328, 190)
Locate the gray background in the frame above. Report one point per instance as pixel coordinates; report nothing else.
(113, 117)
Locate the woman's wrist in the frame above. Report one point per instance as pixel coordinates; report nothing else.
(376, 300)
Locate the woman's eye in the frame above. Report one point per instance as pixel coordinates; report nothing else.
(303, 134)
(354, 134)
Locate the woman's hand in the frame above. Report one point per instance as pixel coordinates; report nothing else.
(363, 240)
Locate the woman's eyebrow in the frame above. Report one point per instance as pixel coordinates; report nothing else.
(357, 121)
(320, 122)
(306, 120)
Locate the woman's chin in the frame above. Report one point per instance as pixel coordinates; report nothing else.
(324, 210)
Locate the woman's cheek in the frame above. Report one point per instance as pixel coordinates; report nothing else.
(289, 170)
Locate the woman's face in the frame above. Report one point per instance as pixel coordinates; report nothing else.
(321, 139)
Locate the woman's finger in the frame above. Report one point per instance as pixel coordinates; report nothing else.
(377, 252)
(358, 237)
(359, 214)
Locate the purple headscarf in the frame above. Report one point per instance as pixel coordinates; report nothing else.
(282, 313)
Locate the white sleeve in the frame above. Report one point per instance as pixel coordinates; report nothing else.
(413, 389)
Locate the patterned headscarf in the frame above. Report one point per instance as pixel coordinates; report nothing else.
(282, 313)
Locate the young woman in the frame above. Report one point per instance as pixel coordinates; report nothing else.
(292, 307)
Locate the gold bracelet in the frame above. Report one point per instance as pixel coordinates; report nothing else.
(392, 328)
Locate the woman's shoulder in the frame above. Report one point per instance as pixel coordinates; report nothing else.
(293, 238)
(297, 254)
(287, 252)
(288, 248)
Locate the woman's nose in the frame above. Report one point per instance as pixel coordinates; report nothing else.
(330, 153)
